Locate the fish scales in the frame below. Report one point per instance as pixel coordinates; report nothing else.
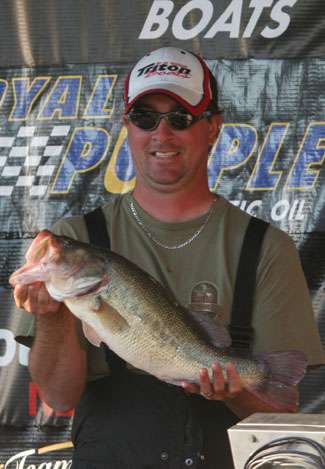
(165, 334)
(154, 318)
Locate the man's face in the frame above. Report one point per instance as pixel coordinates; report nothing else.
(166, 159)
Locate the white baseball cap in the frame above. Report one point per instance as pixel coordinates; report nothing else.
(175, 72)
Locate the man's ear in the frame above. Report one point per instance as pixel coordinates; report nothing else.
(125, 120)
(215, 122)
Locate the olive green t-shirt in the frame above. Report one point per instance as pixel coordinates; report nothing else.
(206, 269)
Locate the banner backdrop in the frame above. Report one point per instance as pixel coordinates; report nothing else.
(64, 150)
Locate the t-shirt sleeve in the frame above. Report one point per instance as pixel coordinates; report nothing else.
(283, 313)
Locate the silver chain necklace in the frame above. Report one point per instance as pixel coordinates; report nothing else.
(160, 243)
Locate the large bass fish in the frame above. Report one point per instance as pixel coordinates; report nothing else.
(127, 309)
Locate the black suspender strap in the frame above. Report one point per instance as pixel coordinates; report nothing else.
(240, 328)
(97, 230)
(98, 235)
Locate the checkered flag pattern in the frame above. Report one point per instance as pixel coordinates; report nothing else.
(29, 158)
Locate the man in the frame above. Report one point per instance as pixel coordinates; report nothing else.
(190, 240)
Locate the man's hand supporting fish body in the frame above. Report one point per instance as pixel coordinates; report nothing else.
(78, 273)
(232, 392)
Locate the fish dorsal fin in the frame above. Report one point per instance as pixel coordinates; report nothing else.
(91, 335)
(210, 327)
(203, 309)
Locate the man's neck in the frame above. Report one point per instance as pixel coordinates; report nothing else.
(175, 207)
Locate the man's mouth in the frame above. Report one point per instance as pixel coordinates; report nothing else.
(165, 154)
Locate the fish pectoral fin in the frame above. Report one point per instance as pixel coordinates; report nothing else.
(111, 319)
(91, 335)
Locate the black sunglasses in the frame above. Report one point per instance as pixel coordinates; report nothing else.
(178, 120)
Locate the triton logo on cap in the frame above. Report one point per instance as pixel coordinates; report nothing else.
(165, 68)
(175, 72)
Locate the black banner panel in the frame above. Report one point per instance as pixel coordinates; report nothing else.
(60, 32)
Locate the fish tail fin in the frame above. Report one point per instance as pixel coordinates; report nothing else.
(286, 367)
(284, 370)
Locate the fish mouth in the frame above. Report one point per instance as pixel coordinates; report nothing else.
(76, 292)
(92, 289)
